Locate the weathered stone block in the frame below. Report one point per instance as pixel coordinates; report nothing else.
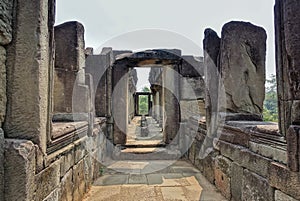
(47, 180)
(293, 148)
(79, 181)
(67, 186)
(28, 74)
(281, 178)
(236, 182)
(88, 171)
(3, 98)
(245, 158)
(256, 187)
(67, 162)
(192, 88)
(80, 152)
(54, 196)
(69, 46)
(1, 163)
(223, 175)
(269, 152)
(242, 64)
(6, 10)
(19, 168)
(280, 196)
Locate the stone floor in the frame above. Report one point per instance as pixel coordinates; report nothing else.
(124, 180)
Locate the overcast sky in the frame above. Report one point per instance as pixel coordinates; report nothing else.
(117, 22)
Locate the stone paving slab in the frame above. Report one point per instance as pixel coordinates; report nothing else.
(187, 184)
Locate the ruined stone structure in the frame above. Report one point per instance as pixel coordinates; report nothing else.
(64, 109)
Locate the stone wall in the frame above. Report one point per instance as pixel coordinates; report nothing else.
(66, 174)
(6, 16)
(248, 161)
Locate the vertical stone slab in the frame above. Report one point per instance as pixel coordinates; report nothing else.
(211, 46)
(1, 164)
(293, 148)
(287, 27)
(69, 63)
(28, 73)
(242, 66)
(119, 103)
(96, 65)
(3, 98)
(19, 170)
(171, 104)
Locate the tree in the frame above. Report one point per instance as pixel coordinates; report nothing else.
(143, 102)
(270, 104)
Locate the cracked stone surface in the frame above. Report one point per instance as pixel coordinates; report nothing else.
(179, 181)
(242, 63)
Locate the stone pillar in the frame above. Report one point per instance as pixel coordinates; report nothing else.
(287, 27)
(28, 73)
(242, 67)
(97, 65)
(119, 103)
(171, 104)
(211, 46)
(157, 105)
(69, 65)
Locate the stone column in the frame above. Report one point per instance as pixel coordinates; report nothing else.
(97, 65)
(119, 103)
(287, 28)
(171, 104)
(242, 67)
(28, 72)
(69, 66)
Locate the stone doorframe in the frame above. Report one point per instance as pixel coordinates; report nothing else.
(169, 60)
(136, 102)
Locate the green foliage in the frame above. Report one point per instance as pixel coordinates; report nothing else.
(143, 102)
(270, 104)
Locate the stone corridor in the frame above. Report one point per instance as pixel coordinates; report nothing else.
(179, 181)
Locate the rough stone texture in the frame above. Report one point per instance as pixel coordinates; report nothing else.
(119, 103)
(79, 181)
(6, 10)
(256, 188)
(287, 27)
(192, 66)
(48, 180)
(192, 88)
(69, 67)
(28, 74)
(69, 45)
(2, 84)
(19, 170)
(67, 162)
(1, 163)
(293, 148)
(242, 64)
(245, 158)
(211, 46)
(191, 108)
(171, 103)
(280, 196)
(223, 175)
(54, 196)
(67, 186)
(236, 182)
(96, 65)
(273, 153)
(285, 180)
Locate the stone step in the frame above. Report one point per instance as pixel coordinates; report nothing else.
(144, 144)
(149, 153)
